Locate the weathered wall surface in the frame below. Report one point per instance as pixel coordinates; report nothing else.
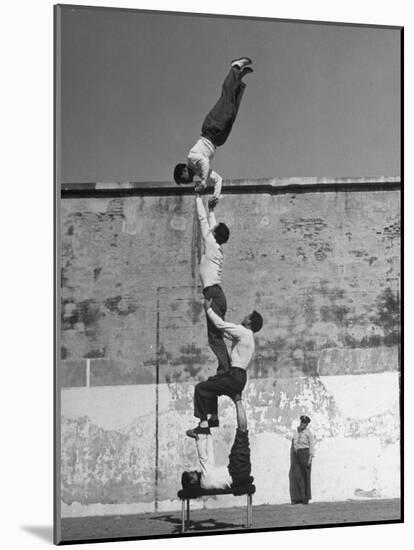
(109, 438)
(323, 269)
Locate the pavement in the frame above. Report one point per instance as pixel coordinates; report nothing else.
(282, 516)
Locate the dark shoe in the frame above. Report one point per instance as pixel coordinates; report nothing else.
(246, 71)
(213, 423)
(241, 63)
(195, 432)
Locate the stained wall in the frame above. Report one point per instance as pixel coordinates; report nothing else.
(321, 263)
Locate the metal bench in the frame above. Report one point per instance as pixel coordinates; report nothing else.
(185, 495)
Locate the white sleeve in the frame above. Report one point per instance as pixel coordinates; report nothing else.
(234, 332)
(203, 165)
(217, 180)
(211, 219)
(202, 216)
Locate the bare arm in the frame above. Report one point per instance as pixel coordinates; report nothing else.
(202, 217)
(203, 170)
(218, 181)
(211, 218)
(231, 330)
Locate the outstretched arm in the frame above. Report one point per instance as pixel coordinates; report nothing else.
(203, 164)
(231, 330)
(207, 176)
(212, 202)
(202, 217)
(217, 180)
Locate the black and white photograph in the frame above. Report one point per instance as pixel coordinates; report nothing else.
(228, 200)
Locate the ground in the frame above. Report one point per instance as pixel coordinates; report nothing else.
(225, 519)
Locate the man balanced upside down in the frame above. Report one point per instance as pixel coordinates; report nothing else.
(211, 476)
(215, 130)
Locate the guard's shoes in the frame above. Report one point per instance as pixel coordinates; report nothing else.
(195, 432)
(241, 63)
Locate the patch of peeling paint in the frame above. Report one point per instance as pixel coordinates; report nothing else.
(112, 461)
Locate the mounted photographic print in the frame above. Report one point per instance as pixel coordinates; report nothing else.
(228, 291)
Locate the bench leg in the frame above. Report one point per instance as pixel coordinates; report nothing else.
(183, 516)
(188, 513)
(249, 511)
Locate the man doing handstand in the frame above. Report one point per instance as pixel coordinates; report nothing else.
(215, 130)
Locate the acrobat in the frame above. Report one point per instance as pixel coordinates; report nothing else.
(214, 235)
(211, 476)
(233, 381)
(215, 130)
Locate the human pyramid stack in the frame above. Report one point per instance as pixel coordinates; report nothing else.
(230, 378)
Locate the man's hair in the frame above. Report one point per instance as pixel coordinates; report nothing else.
(221, 233)
(256, 321)
(178, 171)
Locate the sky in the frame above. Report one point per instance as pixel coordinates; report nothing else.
(324, 100)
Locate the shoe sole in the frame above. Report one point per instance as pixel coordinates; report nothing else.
(248, 62)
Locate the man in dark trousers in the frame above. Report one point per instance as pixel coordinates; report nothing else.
(215, 130)
(214, 235)
(232, 381)
(301, 456)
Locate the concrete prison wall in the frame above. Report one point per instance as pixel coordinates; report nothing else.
(320, 260)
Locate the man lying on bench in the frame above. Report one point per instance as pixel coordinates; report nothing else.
(236, 476)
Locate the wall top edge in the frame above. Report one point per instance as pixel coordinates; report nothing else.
(234, 184)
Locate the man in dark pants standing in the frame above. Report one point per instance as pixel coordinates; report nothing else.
(215, 130)
(214, 235)
(211, 267)
(233, 381)
(301, 456)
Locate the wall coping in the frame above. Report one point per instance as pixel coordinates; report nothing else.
(264, 185)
